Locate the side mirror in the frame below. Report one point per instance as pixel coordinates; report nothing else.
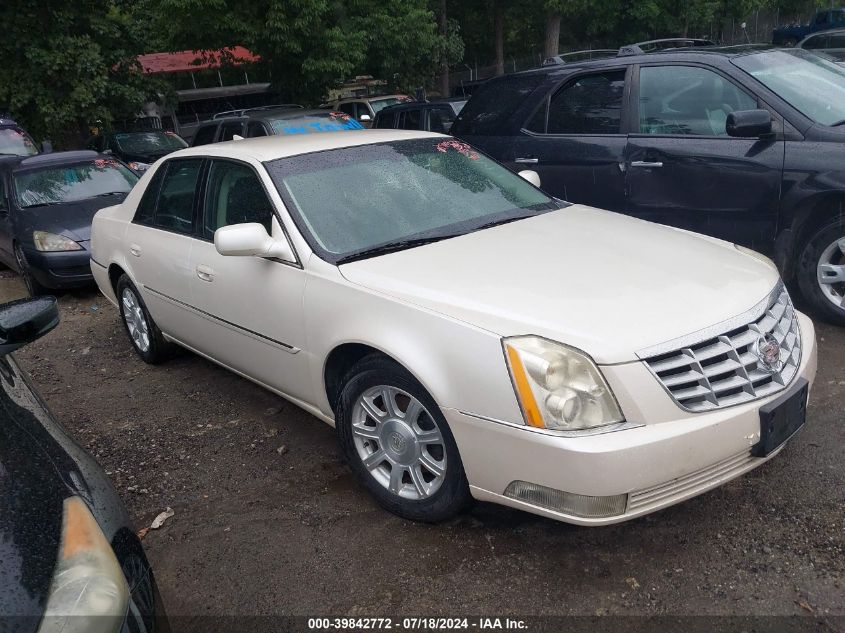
(26, 320)
(107, 152)
(46, 146)
(365, 117)
(749, 123)
(249, 240)
(531, 176)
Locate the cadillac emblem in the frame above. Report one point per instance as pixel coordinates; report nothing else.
(767, 351)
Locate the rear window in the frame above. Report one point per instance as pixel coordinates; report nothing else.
(493, 103)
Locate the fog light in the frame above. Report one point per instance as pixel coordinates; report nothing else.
(567, 502)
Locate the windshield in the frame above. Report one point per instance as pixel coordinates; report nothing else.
(348, 202)
(812, 85)
(380, 104)
(16, 142)
(149, 142)
(69, 183)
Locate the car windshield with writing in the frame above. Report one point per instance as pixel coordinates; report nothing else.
(15, 142)
(149, 142)
(71, 183)
(363, 201)
(812, 85)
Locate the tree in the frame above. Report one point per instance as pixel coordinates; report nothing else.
(69, 64)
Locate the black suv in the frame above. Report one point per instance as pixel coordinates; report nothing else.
(431, 116)
(745, 144)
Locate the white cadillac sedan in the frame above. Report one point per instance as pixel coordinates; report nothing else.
(467, 335)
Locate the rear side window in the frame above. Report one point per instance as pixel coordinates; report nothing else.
(175, 208)
(494, 102)
(204, 135)
(146, 209)
(387, 120)
(228, 130)
(255, 129)
(234, 196)
(441, 119)
(590, 105)
(410, 120)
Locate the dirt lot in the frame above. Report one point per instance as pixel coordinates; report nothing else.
(269, 521)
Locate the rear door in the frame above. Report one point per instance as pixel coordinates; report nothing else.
(682, 167)
(576, 140)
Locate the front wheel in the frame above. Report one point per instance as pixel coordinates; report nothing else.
(398, 443)
(821, 271)
(33, 286)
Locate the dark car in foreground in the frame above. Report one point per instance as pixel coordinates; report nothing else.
(746, 144)
(431, 116)
(264, 122)
(138, 150)
(70, 560)
(47, 203)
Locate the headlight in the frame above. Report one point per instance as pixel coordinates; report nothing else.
(559, 387)
(755, 255)
(136, 166)
(89, 592)
(51, 242)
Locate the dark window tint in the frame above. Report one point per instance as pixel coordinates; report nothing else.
(205, 135)
(146, 209)
(821, 18)
(819, 41)
(228, 130)
(688, 100)
(255, 129)
(838, 18)
(410, 120)
(590, 105)
(175, 209)
(234, 196)
(441, 119)
(493, 103)
(349, 108)
(4, 204)
(386, 120)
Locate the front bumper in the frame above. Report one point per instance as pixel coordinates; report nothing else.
(668, 456)
(63, 269)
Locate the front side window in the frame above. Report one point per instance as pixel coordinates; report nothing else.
(441, 119)
(98, 178)
(812, 85)
(255, 129)
(494, 102)
(351, 202)
(234, 196)
(175, 207)
(205, 135)
(386, 121)
(16, 142)
(819, 41)
(688, 100)
(349, 108)
(590, 105)
(409, 120)
(228, 131)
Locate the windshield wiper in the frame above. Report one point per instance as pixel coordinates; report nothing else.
(507, 220)
(110, 193)
(393, 247)
(41, 204)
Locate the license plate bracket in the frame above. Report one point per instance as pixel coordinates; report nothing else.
(782, 418)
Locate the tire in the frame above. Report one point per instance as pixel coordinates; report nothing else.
(33, 286)
(147, 340)
(821, 263)
(404, 467)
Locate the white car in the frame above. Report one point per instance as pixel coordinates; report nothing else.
(468, 335)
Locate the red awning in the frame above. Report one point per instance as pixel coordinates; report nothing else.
(194, 60)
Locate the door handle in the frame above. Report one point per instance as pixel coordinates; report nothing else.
(527, 161)
(205, 273)
(646, 163)
(135, 250)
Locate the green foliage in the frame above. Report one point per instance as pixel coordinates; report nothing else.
(68, 63)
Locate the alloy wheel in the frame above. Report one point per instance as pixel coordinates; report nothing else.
(831, 273)
(136, 323)
(399, 442)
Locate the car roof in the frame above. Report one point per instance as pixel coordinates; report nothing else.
(264, 115)
(371, 98)
(265, 148)
(57, 158)
(411, 105)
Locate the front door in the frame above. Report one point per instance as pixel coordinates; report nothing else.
(250, 307)
(576, 141)
(6, 254)
(684, 170)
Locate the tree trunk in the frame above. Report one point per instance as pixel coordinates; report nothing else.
(443, 27)
(552, 34)
(499, 35)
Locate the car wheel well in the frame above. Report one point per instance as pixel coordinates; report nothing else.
(339, 362)
(115, 272)
(824, 211)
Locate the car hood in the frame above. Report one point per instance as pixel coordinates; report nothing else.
(72, 219)
(608, 284)
(31, 498)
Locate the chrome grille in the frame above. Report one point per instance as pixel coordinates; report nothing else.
(724, 370)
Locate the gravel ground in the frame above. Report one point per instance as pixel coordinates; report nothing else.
(269, 521)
